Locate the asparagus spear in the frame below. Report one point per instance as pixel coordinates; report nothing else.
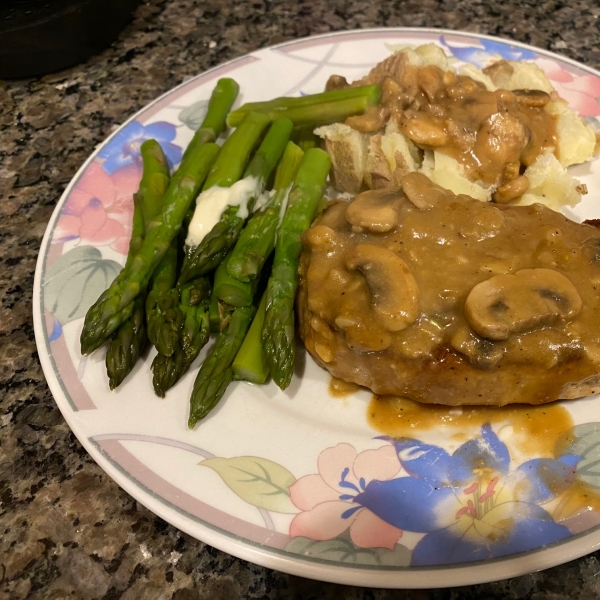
(219, 314)
(315, 109)
(270, 151)
(126, 345)
(220, 103)
(116, 304)
(128, 341)
(167, 370)
(192, 336)
(250, 364)
(164, 316)
(213, 248)
(257, 239)
(216, 373)
(284, 102)
(155, 181)
(278, 328)
(162, 305)
(230, 290)
(236, 151)
(146, 201)
(138, 227)
(195, 297)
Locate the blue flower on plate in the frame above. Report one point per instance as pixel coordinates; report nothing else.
(124, 148)
(469, 503)
(487, 51)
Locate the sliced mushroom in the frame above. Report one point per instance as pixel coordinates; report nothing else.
(374, 210)
(512, 190)
(421, 191)
(462, 88)
(431, 80)
(392, 92)
(500, 140)
(394, 290)
(425, 130)
(372, 120)
(320, 235)
(336, 82)
(530, 298)
(533, 98)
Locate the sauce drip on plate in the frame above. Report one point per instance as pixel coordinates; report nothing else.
(534, 430)
(338, 388)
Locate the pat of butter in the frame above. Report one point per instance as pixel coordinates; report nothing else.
(211, 203)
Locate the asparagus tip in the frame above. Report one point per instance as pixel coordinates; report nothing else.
(282, 382)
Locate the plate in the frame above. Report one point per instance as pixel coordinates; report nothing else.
(303, 481)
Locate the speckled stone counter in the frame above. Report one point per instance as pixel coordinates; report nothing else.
(67, 530)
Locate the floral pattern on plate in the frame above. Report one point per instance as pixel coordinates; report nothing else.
(474, 504)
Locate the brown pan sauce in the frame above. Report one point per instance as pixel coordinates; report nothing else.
(495, 135)
(393, 294)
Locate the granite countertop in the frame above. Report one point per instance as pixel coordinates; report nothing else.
(67, 530)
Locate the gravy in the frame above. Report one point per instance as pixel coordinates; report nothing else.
(385, 284)
(533, 430)
(495, 135)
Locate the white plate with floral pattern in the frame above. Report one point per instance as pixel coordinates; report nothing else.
(301, 481)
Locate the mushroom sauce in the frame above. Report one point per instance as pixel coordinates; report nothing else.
(495, 135)
(445, 299)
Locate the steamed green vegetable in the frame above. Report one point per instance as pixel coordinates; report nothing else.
(278, 328)
(193, 333)
(216, 372)
(257, 239)
(115, 305)
(128, 341)
(164, 315)
(217, 243)
(220, 103)
(315, 109)
(250, 364)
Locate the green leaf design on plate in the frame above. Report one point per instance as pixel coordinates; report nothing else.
(341, 549)
(258, 481)
(587, 445)
(193, 115)
(75, 280)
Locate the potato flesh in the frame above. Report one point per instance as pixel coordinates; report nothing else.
(390, 152)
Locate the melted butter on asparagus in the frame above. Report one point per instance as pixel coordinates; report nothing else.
(211, 203)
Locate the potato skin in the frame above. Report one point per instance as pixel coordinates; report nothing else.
(471, 131)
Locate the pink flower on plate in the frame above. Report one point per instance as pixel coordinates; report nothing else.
(99, 208)
(326, 498)
(582, 93)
